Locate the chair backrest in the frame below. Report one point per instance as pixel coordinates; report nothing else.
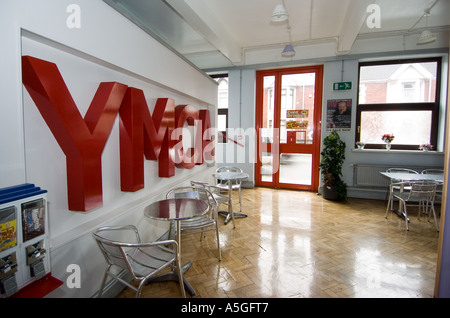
(402, 170)
(199, 184)
(433, 171)
(194, 192)
(423, 191)
(113, 242)
(228, 169)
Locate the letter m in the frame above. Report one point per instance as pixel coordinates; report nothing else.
(81, 140)
(143, 134)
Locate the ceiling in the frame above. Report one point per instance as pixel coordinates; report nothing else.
(229, 33)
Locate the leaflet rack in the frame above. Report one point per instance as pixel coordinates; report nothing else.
(23, 239)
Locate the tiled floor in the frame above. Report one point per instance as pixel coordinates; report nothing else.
(296, 244)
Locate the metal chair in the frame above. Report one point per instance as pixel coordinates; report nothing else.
(220, 198)
(236, 185)
(421, 193)
(433, 171)
(124, 252)
(203, 223)
(439, 186)
(393, 187)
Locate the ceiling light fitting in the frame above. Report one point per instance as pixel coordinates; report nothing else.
(426, 36)
(288, 51)
(279, 14)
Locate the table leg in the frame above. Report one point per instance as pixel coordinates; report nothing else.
(173, 277)
(230, 215)
(230, 207)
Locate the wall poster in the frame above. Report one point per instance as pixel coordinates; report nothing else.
(339, 114)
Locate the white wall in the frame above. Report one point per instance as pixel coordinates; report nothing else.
(241, 123)
(106, 47)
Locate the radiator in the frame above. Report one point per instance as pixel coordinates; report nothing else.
(368, 175)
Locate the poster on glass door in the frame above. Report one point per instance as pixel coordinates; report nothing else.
(339, 114)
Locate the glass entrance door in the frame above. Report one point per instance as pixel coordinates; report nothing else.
(288, 116)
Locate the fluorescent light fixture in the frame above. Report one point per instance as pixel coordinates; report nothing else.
(279, 14)
(288, 51)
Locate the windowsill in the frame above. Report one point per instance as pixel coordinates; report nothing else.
(396, 151)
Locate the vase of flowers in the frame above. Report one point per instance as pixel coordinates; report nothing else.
(388, 138)
(360, 145)
(425, 147)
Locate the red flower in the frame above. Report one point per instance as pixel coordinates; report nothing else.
(387, 137)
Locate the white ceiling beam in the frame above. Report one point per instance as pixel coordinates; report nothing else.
(354, 19)
(198, 15)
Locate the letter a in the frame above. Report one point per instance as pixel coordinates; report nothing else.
(374, 19)
(73, 21)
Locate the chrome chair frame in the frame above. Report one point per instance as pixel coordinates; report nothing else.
(421, 193)
(203, 223)
(439, 187)
(393, 185)
(142, 260)
(220, 198)
(432, 171)
(236, 185)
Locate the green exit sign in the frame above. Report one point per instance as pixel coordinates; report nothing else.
(342, 86)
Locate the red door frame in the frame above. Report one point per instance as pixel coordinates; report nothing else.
(314, 149)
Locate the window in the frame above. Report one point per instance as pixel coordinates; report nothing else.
(222, 103)
(399, 98)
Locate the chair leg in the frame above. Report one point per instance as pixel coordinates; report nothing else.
(435, 218)
(388, 205)
(240, 199)
(218, 241)
(178, 259)
(406, 216)
(100, 292)
(139, 290)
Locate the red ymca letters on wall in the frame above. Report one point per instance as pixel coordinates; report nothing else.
(141, 134)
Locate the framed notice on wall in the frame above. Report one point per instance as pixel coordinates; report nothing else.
(339, 114)
(33, 219)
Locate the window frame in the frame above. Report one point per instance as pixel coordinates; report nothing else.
(434, 107)
(222, 135)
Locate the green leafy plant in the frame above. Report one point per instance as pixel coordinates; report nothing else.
(333, 156)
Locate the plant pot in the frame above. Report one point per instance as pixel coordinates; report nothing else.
(330, 193)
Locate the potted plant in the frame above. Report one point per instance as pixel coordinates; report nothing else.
(333, 156)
